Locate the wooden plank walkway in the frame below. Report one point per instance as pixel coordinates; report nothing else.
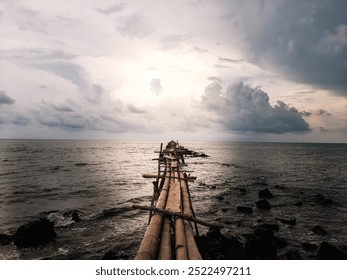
(169, 234)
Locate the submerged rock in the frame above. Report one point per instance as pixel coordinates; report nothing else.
(217, 246)
(265, 193)
(73, 214)
(327, 251)
(299, 203)
(322, 200)
(244, 209)
(34, 234)
(5, 239)
(318, 230)
(260, 249)
(309, 246)
(291, 221)
(263, 204)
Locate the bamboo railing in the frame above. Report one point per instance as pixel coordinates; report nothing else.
(170, 220)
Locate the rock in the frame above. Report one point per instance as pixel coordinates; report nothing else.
(318, 230)
(299, 203)
(279, 242)
(73, 214)
(273, 227)
(291, 221)
(263, 233)
(327, 202)
(243, 190)
(222, 248)
(290, 255)
(244, 209)
(214, 234)
(5, 239)
(309, 246)
(260, 249)
(265, 193)
(263, 204)
(327, 251)
(320, 199)
(279, 187)
(34, 234)
(220, 197)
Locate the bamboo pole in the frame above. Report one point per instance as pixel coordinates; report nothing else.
(165, 251)
(192, 248)
(181, 243)
(149, 245)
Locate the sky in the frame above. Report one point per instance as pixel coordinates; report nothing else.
(188, 70)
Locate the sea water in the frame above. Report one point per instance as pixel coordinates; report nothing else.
(102, 179)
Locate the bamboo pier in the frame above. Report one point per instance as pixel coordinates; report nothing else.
(169, 234)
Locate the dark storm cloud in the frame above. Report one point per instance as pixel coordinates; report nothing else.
(134, 26)
(5, 99)
(305, 40)
(115, 8)
(243, 108)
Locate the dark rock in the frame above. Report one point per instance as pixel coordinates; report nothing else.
(260, 249)
(290, 255)
(263, 204)
(5, 239)
(214, 234)
(279, 242)
(220, 197)
(299, 203)
(73, 214)
(291, 221)
(265, 193)
(244, 209)
(263, 233)
(318, 230)
(279, 187)
(327, 251)
(320, 199)
(273, 227)
(115, 255)
(243, 190)
(221, 248)
(309, 246)
(34, 234)
(327, 202)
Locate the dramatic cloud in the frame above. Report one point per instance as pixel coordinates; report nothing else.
(155, 86)
(5, 99)
(242, 108)
(305, 40)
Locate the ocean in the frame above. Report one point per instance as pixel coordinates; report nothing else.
(102, 179)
